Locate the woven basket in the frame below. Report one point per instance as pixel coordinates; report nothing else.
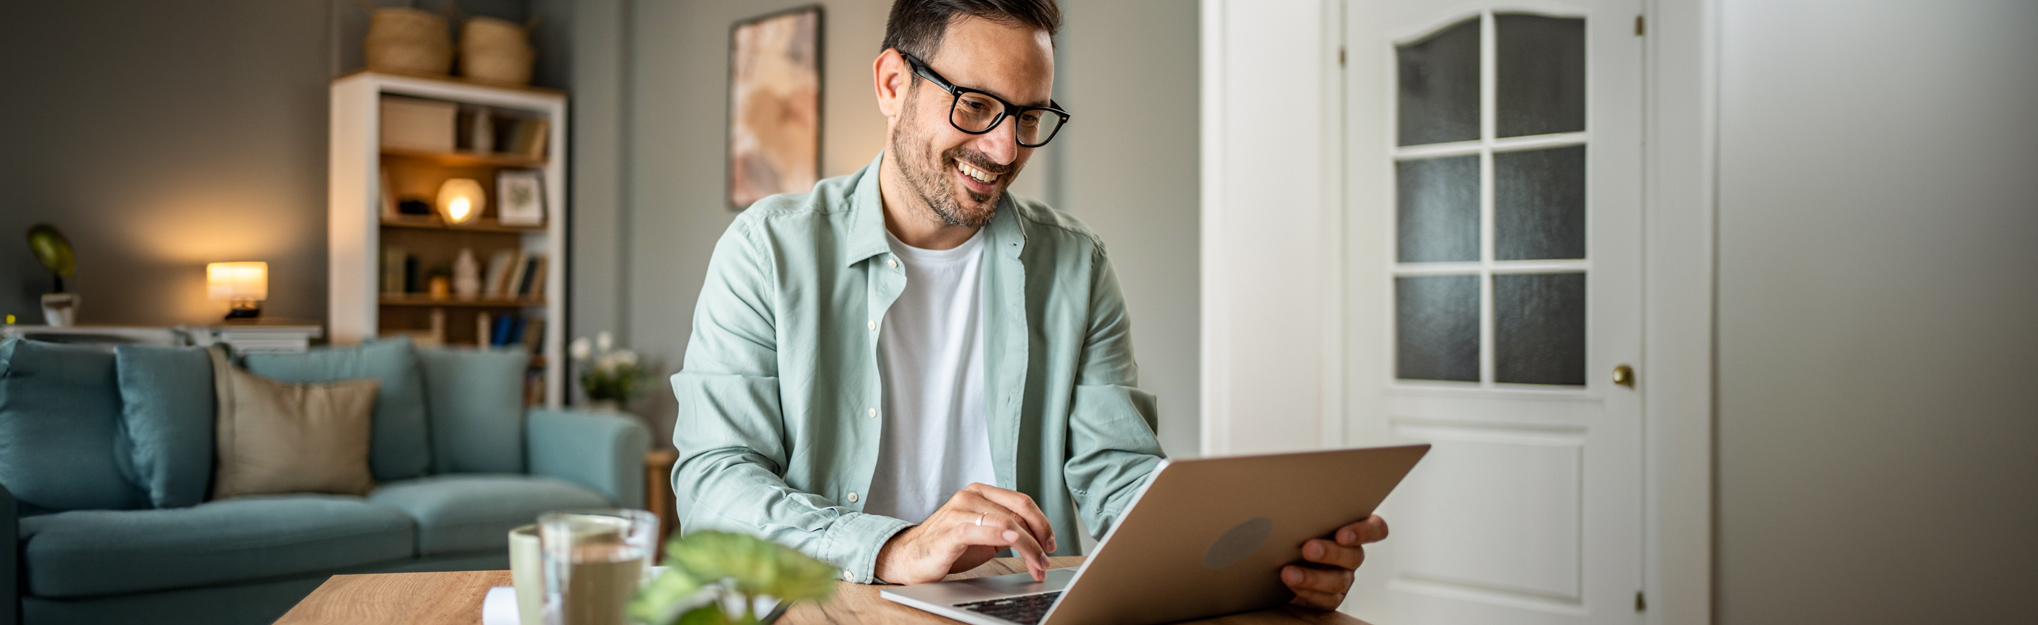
(408, 41)
(495, 50)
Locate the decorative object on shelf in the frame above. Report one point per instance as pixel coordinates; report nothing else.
(414, 206)
(243, 284)
(404, 40)
(774, 105)
(717, 577)
(496, 50)
(419, 124)
(53, 251)
(520, 197)
(461, 200)
(610, 376)
(466, 275)
(439, 282)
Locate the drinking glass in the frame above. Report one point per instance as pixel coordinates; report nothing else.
(594, 560)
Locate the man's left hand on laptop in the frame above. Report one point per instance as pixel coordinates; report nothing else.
(1324, 587)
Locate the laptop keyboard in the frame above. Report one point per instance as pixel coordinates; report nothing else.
(1023, 609)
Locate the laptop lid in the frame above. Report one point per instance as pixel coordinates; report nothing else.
(1208, 536)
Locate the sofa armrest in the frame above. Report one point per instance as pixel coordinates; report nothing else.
(604, 452)
(10, 559)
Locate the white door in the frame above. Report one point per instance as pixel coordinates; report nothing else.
(1493, 285)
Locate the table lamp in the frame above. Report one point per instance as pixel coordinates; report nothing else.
(244, 284)
(461, 200)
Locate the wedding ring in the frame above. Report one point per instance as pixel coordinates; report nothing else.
(980, 518)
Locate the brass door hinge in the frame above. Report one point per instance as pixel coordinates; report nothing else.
(1640, 26)
(1340, 56)
(1640, 605)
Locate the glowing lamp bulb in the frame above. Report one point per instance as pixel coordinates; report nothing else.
(461, 200)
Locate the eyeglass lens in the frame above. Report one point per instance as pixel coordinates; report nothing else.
(976, 112)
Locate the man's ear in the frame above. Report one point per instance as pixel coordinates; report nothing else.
(891, 76)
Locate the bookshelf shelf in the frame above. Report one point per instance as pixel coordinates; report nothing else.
(418, 299)
(478, 225)
(394, 139)
(467, 159)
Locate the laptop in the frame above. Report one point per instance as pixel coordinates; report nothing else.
(1203, 537)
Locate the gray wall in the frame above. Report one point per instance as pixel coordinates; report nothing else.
(1878, 273)
(161, 136)
(1128, 170)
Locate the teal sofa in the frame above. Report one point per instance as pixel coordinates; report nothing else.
(106, 455)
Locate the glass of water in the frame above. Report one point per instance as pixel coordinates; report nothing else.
(594, 561)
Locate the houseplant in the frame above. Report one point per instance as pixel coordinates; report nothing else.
(716, 578)
(53, 251)
(611, 377)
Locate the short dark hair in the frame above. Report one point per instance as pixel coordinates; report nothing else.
(916, 26)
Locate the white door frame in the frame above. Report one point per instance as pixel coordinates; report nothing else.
(1676, 377)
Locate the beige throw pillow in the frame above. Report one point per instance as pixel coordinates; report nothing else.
(275, 437)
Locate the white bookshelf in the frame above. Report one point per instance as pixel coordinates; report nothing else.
(358, 229)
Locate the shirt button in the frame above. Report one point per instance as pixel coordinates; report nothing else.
(873, 325)
(852, 498)
(893, 262)
(848, 576)
(873, 413)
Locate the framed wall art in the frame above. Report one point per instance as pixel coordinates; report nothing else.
(774, 105)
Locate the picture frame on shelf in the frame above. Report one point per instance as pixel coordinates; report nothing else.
(520, 197)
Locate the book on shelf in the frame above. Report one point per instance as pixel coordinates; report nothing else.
(532, 279)
(534, 336)
(498, 272)
(393, 269)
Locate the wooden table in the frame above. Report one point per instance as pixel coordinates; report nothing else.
(455, 599)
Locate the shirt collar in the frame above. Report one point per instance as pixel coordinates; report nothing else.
(867, 220)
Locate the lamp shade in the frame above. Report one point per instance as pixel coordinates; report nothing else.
(237, 281)
(461, 200)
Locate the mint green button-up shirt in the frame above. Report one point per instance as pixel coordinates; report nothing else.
(780, 404)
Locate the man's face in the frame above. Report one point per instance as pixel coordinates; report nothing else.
(958, 175)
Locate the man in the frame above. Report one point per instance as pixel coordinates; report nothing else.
(908, 371)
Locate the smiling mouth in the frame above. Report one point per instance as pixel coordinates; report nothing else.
(973, 173)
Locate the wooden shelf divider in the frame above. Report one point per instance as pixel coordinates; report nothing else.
(427, 222)
(421, 299)
(468, 159)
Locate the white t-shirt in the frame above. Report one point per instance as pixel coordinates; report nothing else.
(931, 360)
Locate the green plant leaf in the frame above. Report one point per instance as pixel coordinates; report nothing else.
(661, 601)
(52, 250)
(752, 565)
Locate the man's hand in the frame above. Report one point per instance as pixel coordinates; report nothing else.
(1323, 587)
(975, 524)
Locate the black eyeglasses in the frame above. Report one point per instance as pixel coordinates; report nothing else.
(976, 112)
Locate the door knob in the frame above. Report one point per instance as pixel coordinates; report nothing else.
(1624, 375)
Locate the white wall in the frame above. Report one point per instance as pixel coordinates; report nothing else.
(1878, 277)
(1267, 217)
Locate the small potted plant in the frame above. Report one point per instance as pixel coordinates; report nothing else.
(717, 578)
(53, 251)
(611, 377)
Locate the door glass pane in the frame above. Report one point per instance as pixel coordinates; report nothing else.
(1439, 86)
(1436, 328)
(1437, 209)
(1539, 204)
(1540, 68)
(1539, 328)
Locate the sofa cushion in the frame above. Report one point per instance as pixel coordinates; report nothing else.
(457, 513)
(166, 397)
(276, 438)
(475, 400)
(61, 447)
(100, 552)
(401, 446)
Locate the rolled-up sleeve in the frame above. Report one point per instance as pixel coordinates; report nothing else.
(1112, 445)
(730, 430)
